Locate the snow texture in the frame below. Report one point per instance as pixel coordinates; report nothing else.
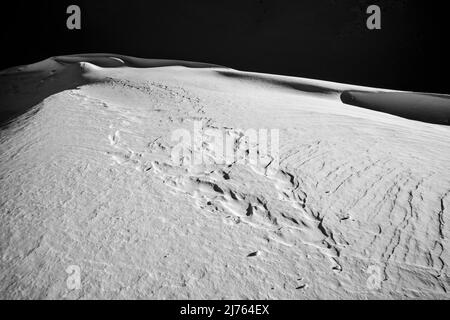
(87, 179)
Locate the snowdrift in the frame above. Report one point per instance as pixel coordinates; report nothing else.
(356, 207)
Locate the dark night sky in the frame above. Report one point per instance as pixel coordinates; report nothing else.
(323, 39)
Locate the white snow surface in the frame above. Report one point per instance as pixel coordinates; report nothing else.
(86, 179)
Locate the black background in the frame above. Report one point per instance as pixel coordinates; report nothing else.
(322, 39)
(170, 309)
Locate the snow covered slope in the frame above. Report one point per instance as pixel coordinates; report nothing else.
(358, 207)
